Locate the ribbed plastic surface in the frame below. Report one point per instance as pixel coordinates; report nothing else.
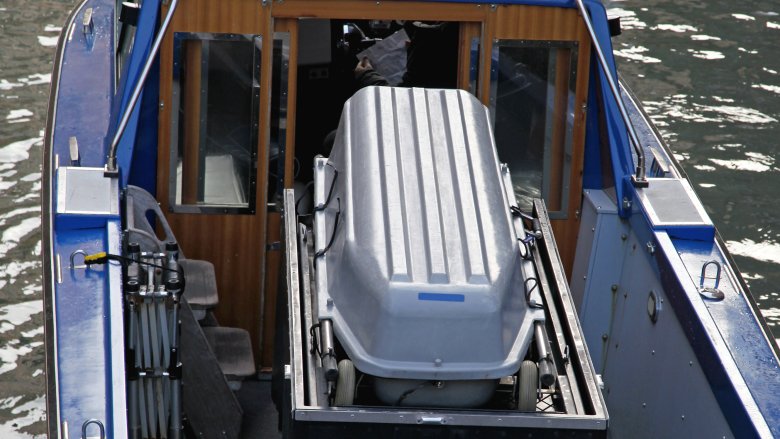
(423, 278)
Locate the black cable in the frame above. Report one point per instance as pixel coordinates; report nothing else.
(315, 344)
(528, 291)
(303, 195)
(333, 234)
(104, 257)
(330, 192)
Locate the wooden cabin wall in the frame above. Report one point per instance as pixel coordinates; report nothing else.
(235, 244)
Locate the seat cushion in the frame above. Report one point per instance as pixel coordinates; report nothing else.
(233, 349)
(200, 288)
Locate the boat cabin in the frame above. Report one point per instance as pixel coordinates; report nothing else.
(246, 105)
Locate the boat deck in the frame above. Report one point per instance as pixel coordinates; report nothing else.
(260, 417)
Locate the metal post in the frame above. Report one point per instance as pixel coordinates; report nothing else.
(640, 180)
(111, 169)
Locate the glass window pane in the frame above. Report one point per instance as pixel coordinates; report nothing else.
(216, 96)
(532, 94)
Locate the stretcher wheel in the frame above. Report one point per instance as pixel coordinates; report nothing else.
(529, 381)
(345, 386)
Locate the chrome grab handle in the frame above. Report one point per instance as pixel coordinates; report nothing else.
(111, 159)
(641, 175)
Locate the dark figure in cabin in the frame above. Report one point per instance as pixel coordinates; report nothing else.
(431, 58)
(431, 62)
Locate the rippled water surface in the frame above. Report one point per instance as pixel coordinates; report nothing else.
(29, 32)
(706, 71)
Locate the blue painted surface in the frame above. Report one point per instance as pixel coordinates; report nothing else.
(88, 316)
(146, 31)
(441, 297)
(740, 329)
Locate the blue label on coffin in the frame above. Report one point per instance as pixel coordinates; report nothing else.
(441, 297)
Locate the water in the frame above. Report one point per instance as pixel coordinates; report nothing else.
(706, 71)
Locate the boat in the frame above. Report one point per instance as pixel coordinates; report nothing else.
(349, 218)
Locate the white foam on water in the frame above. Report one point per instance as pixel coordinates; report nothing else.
(30, 289)
(48, 41)
(16, 212)
(18, 313)
(705, 167)
(52, 28)
(33, 193)
(35, 176)
(743, 17)
(18, 151)
(14, 234)
(18, 114)
(10, 353)
(5, 185)
(765, 251)
(772, 25)
(36, 79)
(700, 37)
(33, 332)
(7, 403)
(742, 165)
(706, 54)
(677, 28)
(37, 372)
(31, 412)
(634, 53)
(732, 113)
(5, 85)
(706, 185)
(14, 269)
(628, 19)
(772, 88)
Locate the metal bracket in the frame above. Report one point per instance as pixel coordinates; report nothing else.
(73, 265)
(711, 293)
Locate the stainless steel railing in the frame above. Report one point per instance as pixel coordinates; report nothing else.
(111, 159)
(641, 173)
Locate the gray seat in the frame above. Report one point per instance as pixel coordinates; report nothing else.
(233, 349)
(201, 284)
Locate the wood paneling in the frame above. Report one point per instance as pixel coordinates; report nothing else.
(468, 31)
(235, 244)
(536, 23)
(379, 10)
(566, 231)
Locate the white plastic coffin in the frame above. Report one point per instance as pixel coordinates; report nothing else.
(418, 261)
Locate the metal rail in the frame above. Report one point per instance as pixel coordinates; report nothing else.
(640, 180)
(111, 168)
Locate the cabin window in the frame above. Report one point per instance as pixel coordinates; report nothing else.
(532, 100)
(278, 131)
(216, 94)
